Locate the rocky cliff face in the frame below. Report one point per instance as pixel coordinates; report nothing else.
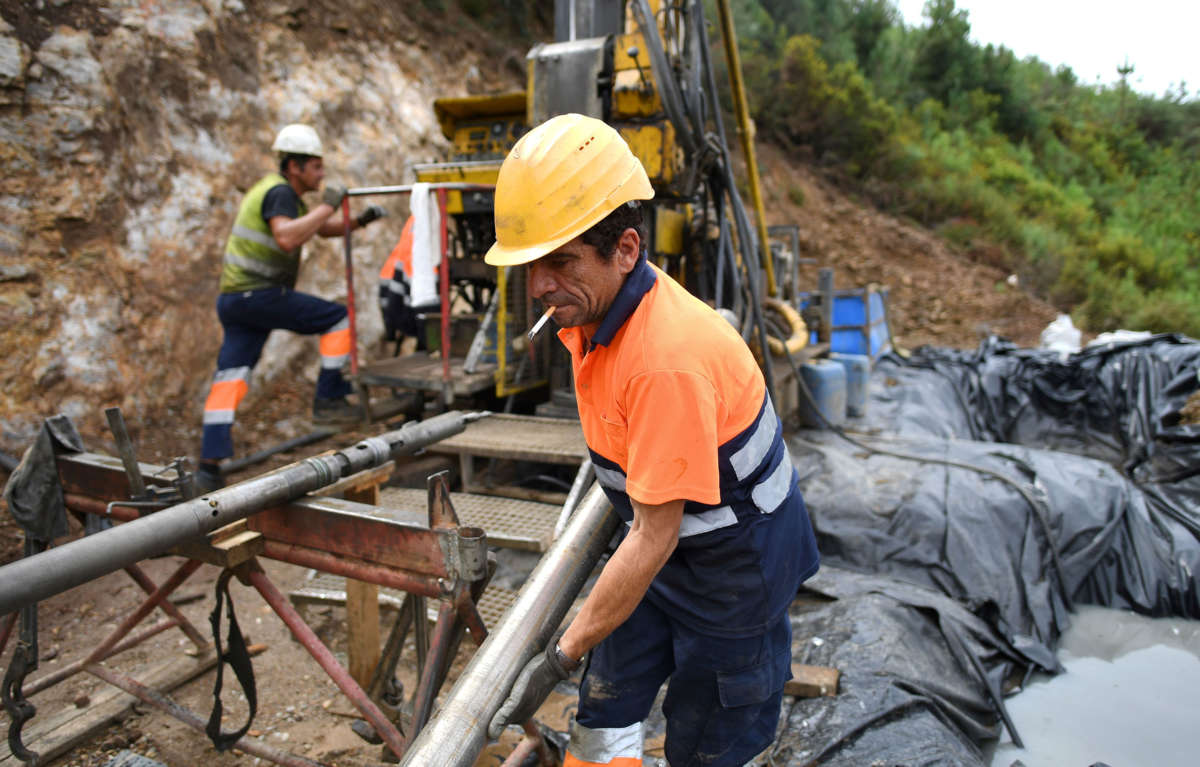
(129, 130)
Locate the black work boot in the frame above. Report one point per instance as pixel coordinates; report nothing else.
(335, 412)
(208, 478)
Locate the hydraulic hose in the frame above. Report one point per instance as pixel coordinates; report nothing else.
(797, 337)
(668, 88)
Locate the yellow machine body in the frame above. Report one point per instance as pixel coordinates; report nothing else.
(633, 93)
(560, 78)
(482, 127)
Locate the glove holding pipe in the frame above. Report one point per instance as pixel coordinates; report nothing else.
(333, 194)
(372, 213)
(533, 685)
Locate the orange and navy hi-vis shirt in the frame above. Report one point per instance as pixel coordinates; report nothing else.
(673, 406)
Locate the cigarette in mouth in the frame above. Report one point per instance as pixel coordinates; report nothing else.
(537, 326)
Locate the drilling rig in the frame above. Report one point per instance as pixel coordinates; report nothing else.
(644, 67)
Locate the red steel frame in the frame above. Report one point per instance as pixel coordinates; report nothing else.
(332, 536)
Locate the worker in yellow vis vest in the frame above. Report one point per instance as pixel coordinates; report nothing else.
(257, 295)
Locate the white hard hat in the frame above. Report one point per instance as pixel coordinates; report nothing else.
(298, 139)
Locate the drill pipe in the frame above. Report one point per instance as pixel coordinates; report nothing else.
(55, 570)
(458, 733)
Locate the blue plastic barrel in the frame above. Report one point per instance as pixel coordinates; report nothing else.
(826, 381)
(860, 322)
(858, 372)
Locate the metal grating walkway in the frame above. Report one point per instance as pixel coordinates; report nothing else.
(524, 438)
(424, 372)
(508, 522)
(325, 589)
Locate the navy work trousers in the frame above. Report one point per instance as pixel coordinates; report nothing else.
(723, 695)
(248, 318)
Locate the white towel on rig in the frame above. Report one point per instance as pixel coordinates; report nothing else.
(427, 245)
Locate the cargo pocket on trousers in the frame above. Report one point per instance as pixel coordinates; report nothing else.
(756, 684)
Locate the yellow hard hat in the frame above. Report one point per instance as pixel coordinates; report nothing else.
(559, 180)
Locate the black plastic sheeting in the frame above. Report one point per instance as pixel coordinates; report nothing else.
(908, 694)
(1119, 404)
(1041, 482)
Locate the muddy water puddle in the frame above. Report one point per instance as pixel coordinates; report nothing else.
(1127, 699)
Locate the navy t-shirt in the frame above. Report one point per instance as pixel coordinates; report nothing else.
(280, 200)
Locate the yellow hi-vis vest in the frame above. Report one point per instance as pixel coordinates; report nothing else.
(253, 259)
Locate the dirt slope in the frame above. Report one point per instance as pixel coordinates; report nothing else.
(129, 130)
(936, 294)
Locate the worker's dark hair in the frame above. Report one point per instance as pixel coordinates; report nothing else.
(300, 159)
(603, 236)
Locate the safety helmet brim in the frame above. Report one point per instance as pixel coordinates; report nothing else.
(560, 179)
(298, 138)
(499, 255)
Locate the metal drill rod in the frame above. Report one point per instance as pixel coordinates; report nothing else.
(361, 191)
(458, 733)
(582, 478)
(32, 579)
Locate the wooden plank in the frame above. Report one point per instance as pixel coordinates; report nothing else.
(226, 547)
(362, 609)
(362, 481)
(52, 735)
(812, 681)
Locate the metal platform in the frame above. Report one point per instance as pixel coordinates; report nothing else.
(324, 589)
(508, 522)
(423, 372)
(519, 437)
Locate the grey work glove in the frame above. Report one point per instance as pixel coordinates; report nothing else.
(534, 683)
(333, 195)
(370, 214)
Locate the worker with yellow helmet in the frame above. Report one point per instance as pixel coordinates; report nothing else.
(687, 446)
(258, 277)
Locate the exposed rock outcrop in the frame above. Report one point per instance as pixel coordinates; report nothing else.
(129, 130)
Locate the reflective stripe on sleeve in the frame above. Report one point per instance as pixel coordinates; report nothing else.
(609, 746)
(258, 238)
(707, 521)
(773, 490)
(747, 459)
(610, 478)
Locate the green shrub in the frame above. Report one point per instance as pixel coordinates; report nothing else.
(1093, 192)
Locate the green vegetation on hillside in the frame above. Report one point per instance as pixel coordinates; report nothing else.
(1091, 192)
